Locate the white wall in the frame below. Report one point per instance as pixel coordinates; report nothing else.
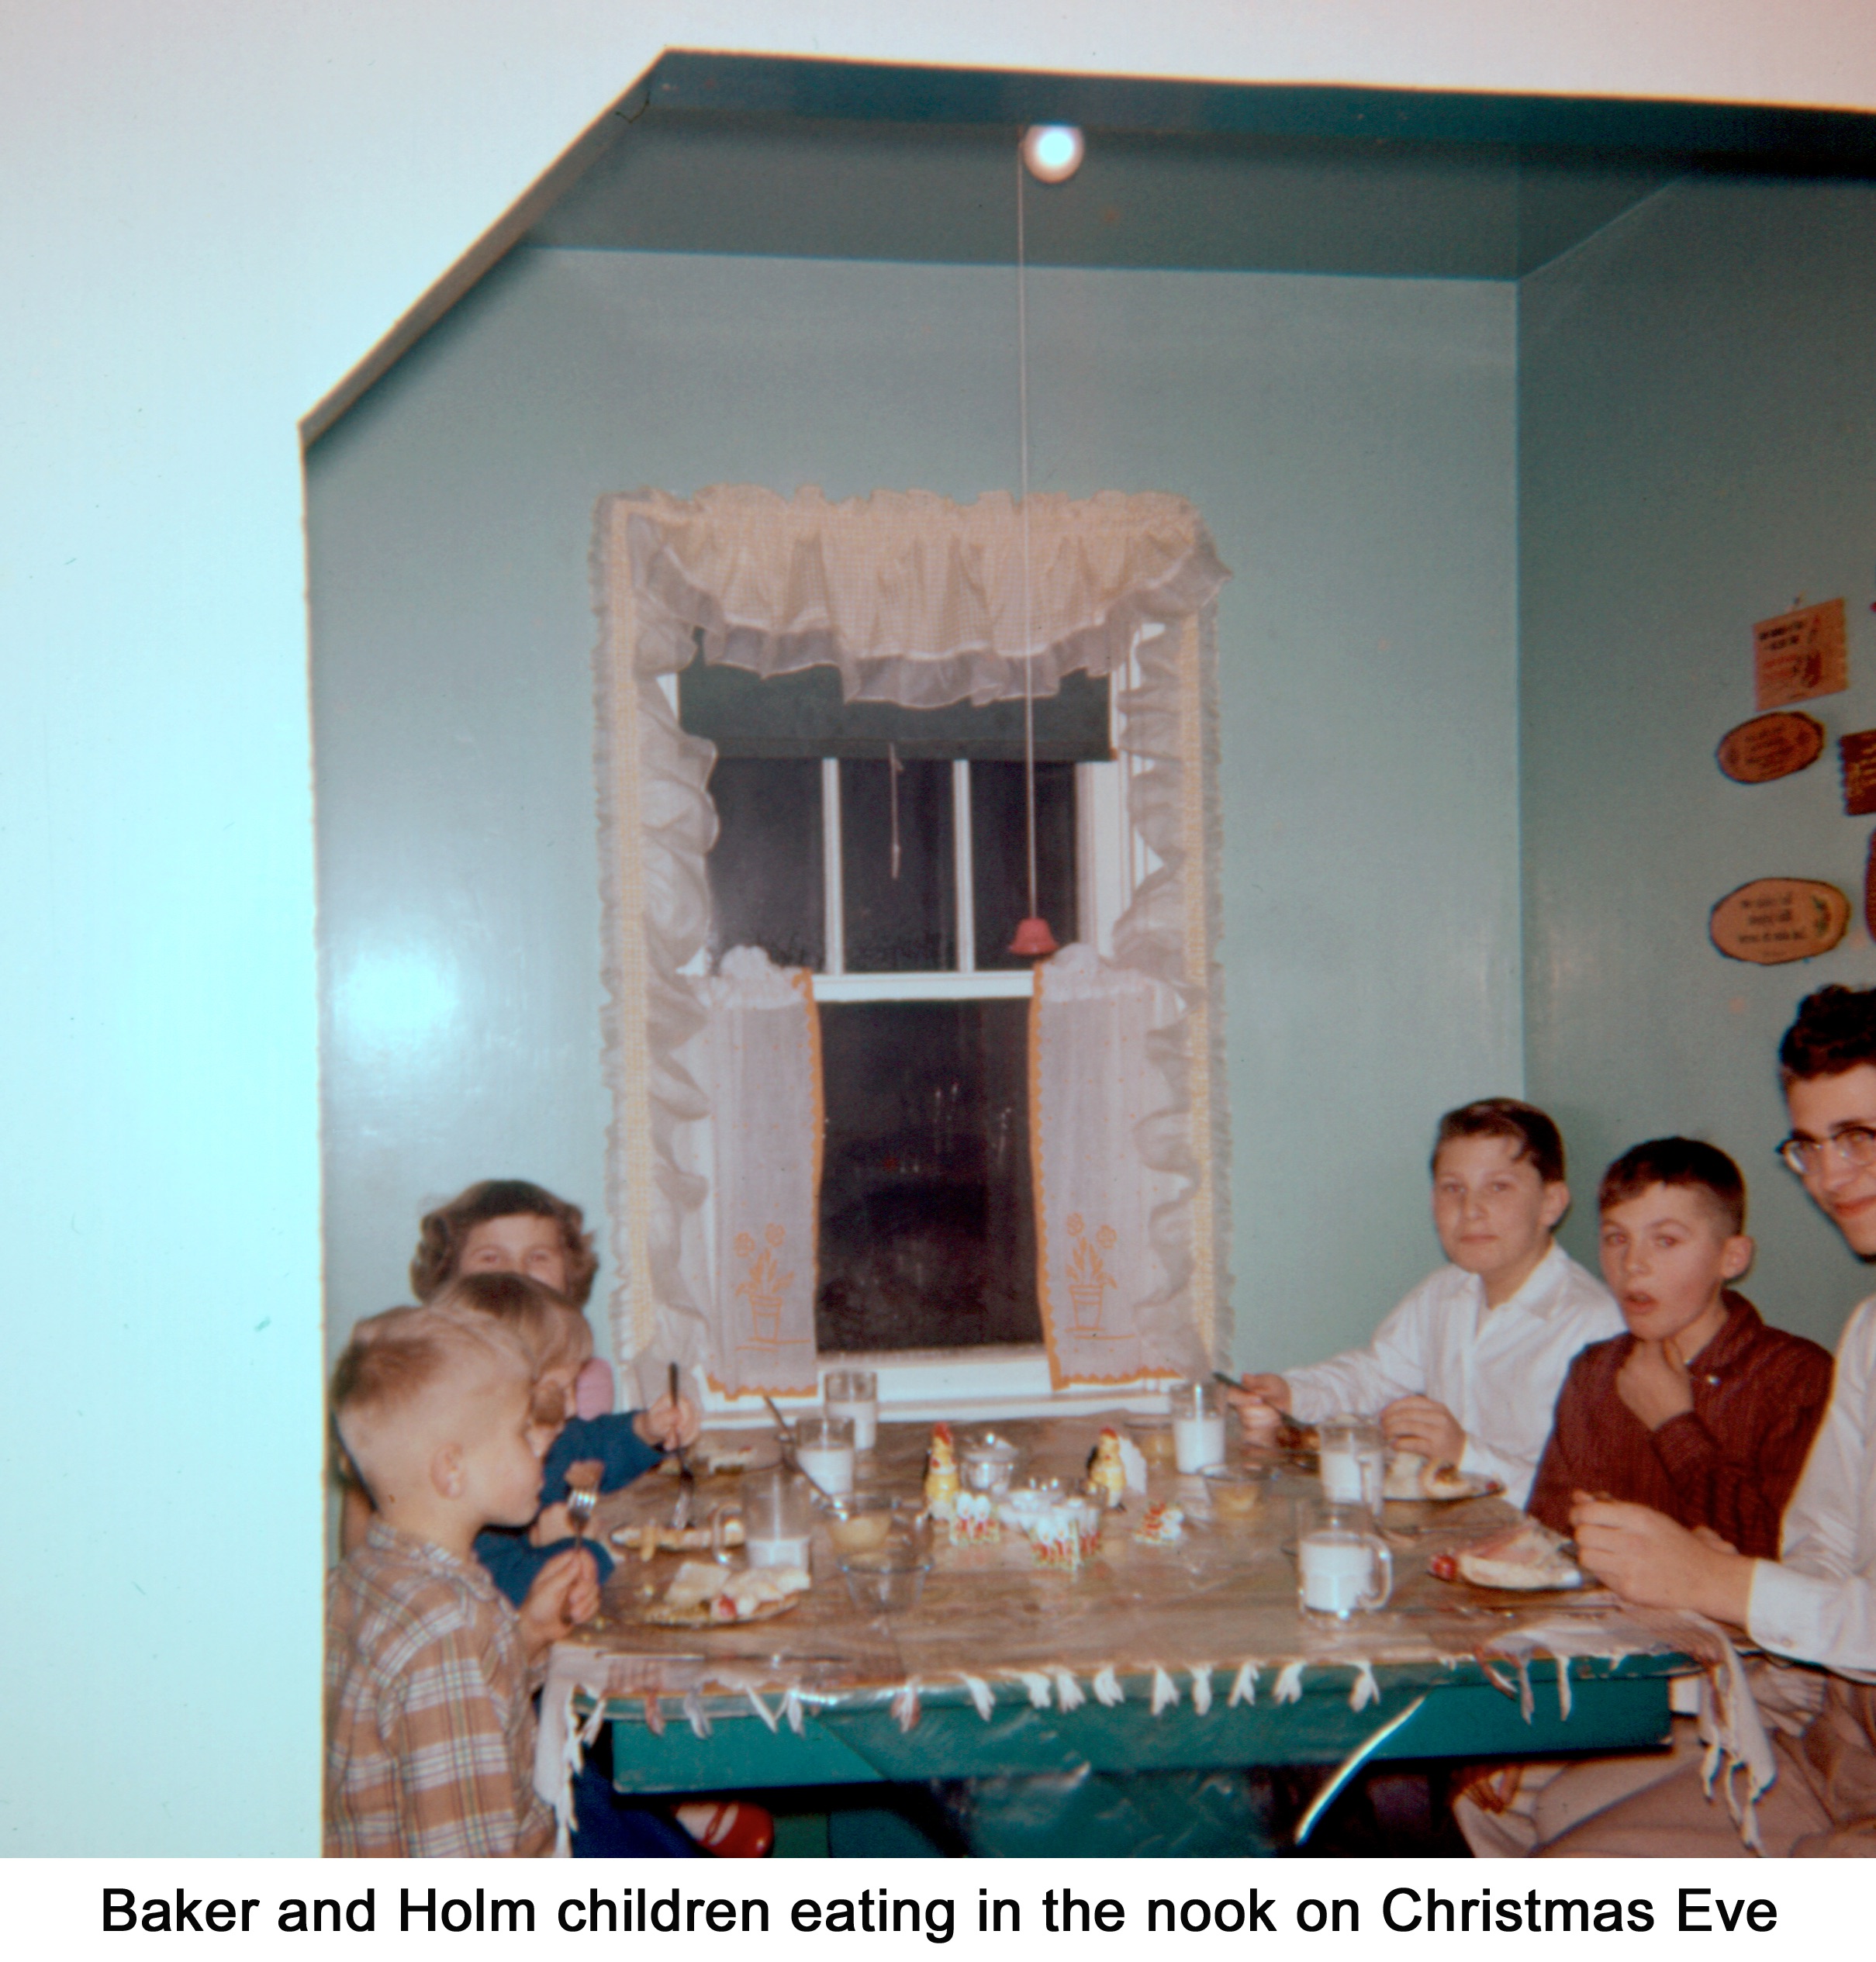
(1349, 441)
(212, 213)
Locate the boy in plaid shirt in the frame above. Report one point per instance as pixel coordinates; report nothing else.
(429, 1724)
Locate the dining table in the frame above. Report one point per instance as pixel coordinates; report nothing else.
(1188, 1656)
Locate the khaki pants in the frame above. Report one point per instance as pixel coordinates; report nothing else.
(1822, 1804)
(1553, 1795)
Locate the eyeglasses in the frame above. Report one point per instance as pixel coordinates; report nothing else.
(1854, 1143)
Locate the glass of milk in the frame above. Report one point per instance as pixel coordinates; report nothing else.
(1343, 1567)
(778, 1521)
(854, 1395)
(1353, 1458)
(1198, 1426)
(823, 1449)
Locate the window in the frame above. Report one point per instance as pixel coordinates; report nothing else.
(830, 696)
(899, 882)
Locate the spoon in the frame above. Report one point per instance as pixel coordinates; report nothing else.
(687, 1479)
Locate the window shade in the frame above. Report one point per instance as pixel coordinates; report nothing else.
(802, 714)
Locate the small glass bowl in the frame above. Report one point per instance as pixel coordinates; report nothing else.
(859, 1522)
(988, 1463)
(1236, 1492)
(885, 1579)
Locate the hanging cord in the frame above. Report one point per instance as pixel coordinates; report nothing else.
(893, 766)
(1022, 399)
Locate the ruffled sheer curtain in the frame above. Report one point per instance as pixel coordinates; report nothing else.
(919, 602)
(749, 1158)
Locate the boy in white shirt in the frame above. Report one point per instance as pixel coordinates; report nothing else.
(1817, 1602)
(1466, 1371)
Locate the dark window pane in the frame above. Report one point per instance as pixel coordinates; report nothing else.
(1000, 854)
(894, 925)
(927, 1224)
(766, 887)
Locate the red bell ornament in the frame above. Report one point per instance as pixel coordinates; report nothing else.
(1033, 941)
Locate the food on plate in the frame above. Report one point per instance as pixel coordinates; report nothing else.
(1293, 1436)
(1410, 1477)
(1403, 1480)
(942, 1474)
(1161, 1525)
(1524, 1556)
(732, 1594)
(1448, 1482)
(714, 1459)
(651, 1539)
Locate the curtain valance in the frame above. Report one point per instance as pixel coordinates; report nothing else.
(914, 598)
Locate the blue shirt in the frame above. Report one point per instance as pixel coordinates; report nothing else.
(511, 1562)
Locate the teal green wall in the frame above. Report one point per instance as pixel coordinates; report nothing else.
(1349, 441)
(1697, 449)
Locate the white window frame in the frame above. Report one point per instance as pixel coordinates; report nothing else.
(990, 1381)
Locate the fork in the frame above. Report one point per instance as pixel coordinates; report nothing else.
(581, 1500)
(687, 1479)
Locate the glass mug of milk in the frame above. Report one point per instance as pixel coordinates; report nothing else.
(1198, 1426)
(778, 1521)
(1343, 1567)
(1354, 1461)
(854, 1395)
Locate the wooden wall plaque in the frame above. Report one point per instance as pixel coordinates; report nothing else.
(1857, 754)
(1771, 746)
(1772, 920)
(1869, 888)
(1798, 655)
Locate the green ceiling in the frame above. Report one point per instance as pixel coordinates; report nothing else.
(810, 159)
(686, 182)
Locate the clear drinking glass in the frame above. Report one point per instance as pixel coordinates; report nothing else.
(1198, 1426)
(854, 1395)
(1353, 1460)
(823, 1449)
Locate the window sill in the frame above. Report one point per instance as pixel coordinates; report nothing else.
(980, 984)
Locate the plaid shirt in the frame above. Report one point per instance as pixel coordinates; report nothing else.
(429, 1720)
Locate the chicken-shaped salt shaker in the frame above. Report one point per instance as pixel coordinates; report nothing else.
(1108, 1470)
(941, 1475)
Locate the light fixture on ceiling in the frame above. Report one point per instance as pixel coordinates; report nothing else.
(1052, 151)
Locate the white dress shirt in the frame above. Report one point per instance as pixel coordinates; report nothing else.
(1817, 1602)
(1498, 1370)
